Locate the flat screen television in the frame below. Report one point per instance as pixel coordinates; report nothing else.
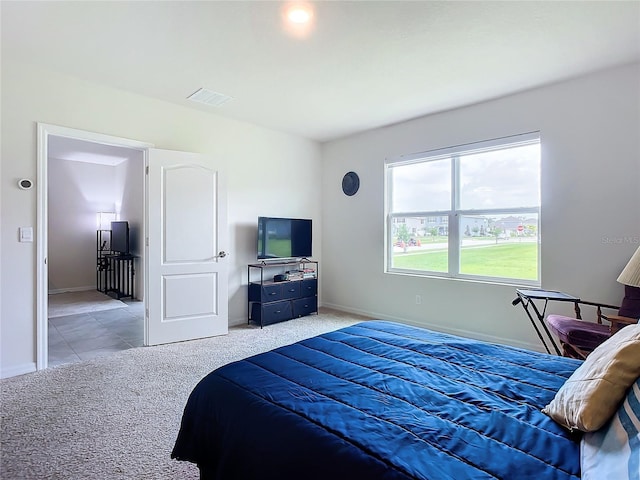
(284, 238)
(120, 237)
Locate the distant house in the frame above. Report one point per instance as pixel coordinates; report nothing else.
(510, 225)
(470, 225)
(423, 226)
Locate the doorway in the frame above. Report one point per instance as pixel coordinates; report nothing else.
(184, 276)
(82, 175)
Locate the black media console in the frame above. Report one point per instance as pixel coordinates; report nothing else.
(272, 301)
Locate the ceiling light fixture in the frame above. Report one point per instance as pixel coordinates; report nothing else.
(299, 15)
(298, 19)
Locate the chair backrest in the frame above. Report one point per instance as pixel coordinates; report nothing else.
(599, 307)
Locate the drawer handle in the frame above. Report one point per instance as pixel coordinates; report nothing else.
(272, 293)
(292, 289)
(277, 311)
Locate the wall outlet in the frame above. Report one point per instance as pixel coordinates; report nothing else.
(418, 299)
(25, 234)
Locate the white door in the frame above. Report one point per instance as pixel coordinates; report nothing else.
(187, 264)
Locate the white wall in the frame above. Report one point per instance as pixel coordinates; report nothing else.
(590, 223)
(130, 205)
(268, 173)
(76, 192)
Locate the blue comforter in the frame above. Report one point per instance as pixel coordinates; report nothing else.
(380, 400)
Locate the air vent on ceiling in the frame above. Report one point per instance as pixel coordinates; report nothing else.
(209, 97)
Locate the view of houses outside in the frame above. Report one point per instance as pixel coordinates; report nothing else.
(494, 246)
(490, 188)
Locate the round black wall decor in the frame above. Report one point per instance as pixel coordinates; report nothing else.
(350, 183)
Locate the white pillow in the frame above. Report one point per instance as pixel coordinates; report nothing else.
(614, 450)
(593, 393)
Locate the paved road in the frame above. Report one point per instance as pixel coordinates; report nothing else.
(465, 243)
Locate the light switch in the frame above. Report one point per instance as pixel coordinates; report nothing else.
(26, 234)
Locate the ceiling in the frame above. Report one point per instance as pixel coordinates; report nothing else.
(363, 64)
(75, 150)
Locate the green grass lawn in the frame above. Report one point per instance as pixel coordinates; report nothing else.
(513, 260)
(278, 247)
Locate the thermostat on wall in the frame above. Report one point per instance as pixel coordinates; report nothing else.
(25, 184)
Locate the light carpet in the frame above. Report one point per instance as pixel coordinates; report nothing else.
(86, 301)
(118, 416)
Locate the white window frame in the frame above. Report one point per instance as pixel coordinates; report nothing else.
(454, 238)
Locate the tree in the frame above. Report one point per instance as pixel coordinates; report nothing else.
(496, 232)
(531, 230)
(403, 235)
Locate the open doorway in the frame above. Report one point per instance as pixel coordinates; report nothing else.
(91, 187)
(85, 310)
(184, 276)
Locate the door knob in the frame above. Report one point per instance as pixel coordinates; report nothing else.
(221, 254)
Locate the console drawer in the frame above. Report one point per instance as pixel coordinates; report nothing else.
(309, 287)
(291, 290)
(305, 306)
(265, 293)
(265, 313)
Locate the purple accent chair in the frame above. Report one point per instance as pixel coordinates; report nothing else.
(578, 337)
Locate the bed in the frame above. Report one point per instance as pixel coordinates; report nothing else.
(381, 400)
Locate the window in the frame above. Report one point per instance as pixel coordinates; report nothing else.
(471, 211)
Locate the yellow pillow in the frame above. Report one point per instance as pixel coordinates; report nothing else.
(591, 395)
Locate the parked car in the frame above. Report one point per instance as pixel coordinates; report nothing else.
(412, 242)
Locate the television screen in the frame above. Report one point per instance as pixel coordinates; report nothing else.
(284, 237)
(120, 237)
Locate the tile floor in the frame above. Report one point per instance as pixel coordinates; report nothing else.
(87, 335)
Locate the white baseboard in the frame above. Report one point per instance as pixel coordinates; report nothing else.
(71, 289)
(443, 329)
(355, 311)
(235, 322)
(18, 370)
